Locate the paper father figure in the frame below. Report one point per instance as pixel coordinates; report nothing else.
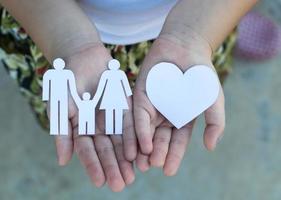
(55, 90)
(181, 97)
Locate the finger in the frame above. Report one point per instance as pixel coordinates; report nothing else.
(129, 135)
(64, 146)
(161, 143)
(125, 166)
(142, 124)
(215, 123)
(179, 141)
(142, 162)
(87, 155)
(109, 162)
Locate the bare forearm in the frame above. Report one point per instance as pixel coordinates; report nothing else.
(212, 19)
(59, 28)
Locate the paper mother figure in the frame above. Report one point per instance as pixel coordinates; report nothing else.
(114, 89)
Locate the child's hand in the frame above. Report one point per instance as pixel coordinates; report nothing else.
(101, 155)
(161, 144)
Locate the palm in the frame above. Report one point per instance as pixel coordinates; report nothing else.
(101, 155)
(162, 145)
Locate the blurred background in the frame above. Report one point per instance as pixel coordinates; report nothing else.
(246, 164)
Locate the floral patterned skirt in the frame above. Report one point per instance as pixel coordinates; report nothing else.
(26, 64)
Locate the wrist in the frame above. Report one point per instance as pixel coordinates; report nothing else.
(72, 45)
(185, 36)
(91, 56)
(170, 49)
(88, 63)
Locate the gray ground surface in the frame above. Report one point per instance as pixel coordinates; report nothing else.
(245, 166)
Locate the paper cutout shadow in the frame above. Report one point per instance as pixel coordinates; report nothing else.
(113, 90)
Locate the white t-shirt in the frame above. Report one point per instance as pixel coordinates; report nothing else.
(127, 21)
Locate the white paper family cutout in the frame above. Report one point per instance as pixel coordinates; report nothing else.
(113, 90)
(181, 97)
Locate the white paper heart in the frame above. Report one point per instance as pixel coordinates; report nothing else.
(181, 97)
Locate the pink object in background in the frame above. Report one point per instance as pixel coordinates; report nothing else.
(258, 37)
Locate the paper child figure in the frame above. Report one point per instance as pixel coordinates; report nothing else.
(115, 88)
(86, 109)
(55, 90)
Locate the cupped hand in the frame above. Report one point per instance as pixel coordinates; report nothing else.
(105, 158)
(161, 144)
